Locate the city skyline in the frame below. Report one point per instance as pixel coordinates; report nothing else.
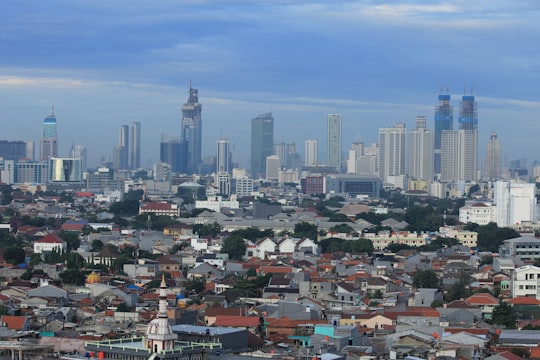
(389, 62)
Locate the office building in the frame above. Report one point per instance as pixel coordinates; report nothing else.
(121, 151)
(65, 170)
(353, 185)
(262, 143)
(333, 149)
(355, 154)
(273, 165)
(244, 187)
(191, 130)
(286, 153)
(311, 153)
(223, 156)
(103, 180)
(13, 150)
(515, 202)
(135, 161)
(31, 172)
(175, 153)
(7, 171)
(421, 151)
(444, 120)
(49, 140)
(392, 152)
(459, 155)
(222, 181)
(468, 113)
(493, 158)
(79, 152)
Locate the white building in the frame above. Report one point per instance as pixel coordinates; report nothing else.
(244, 187)
(515, 201)
(311, 153)
(333, 132)
(421, 151)
(216, 203)
(525, 281)
(392, 152)
(481, 213)
(459, 155)
(273, 164)
(49, 243)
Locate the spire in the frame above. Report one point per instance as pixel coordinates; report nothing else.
(52, 112)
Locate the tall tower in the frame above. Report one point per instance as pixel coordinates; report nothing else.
(493, 157)
(468, 113)
(444, 120)
(79, 152)
(334, 141)
(135, 161)
(262, 143)
(191, 129)
(392, 151)
(49, 140)
(421, 151)
(311, 153)
(223, 156)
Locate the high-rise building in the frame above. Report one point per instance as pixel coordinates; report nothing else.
(49, 140)
(459, 155)
(421, 151)
(135, 161)
(355, 155)
(273, 165)
(65, 170)
(334, 141)
(191, 130)
(79, 152)
(13, 150)
(493, 157)
(444, 120)
(311, 153)
(223, 156)
(468, 113)
(392, 152)
(286, 153)
(262, 143)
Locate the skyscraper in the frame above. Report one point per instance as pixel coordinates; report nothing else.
(444, 120)
(79, 152)
(173, 151)
(421, 151)
(468, 114)
(493, 157)
(334, 141)
(392, 152)
(191, 129)
(135, 161)
(262, 143)
(49, 140)
(459, 155)
(285, 152)
(223, 156)
(121, 151)
(311, 153)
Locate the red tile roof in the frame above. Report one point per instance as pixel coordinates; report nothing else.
(14, 322)
(524, 300)
(50, 239)
(482, 299)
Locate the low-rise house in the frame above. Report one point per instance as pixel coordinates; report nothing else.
(50, 243)
(525, 281)
(17, 323)
(484, 301)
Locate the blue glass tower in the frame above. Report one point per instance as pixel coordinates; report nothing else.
(49, 140)
(468, 113)
(444, 120)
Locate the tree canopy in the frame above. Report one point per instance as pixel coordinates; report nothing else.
(426, 279)
(503, 314)
(490, 236)
(235, 246)
(349, 246)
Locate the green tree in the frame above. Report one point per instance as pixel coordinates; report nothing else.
(97, 245)
(72, 276)
(209, 229)
(338, 217)
(14, 255)
(342, 228)
(71, 238)
(461, 288)
(426, 279)
(503, 314)
(126, 207)
(305, 230)
(253, 233)
(195, 285)
(235, 246)
(490, 236)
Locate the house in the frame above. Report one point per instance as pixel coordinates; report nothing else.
(17, 323)
(525, 281)
(484, 301)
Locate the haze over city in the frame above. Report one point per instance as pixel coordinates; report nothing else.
(104, 64)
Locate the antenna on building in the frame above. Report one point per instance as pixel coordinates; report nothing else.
(52, 113)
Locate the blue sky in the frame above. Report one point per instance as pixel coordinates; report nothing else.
(107, 63)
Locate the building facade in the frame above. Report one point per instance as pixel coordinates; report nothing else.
(444, 120)
(135, 160)
(459, 155)
(333, 132)
(311, 153)
(262, 143)
(223, 156)
(515, 202)
(392, 151)
(493, 158)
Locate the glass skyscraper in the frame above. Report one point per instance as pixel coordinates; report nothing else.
(468, 113)
(444, 120)
(262, 143)
(49, 140)
(191, 129)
